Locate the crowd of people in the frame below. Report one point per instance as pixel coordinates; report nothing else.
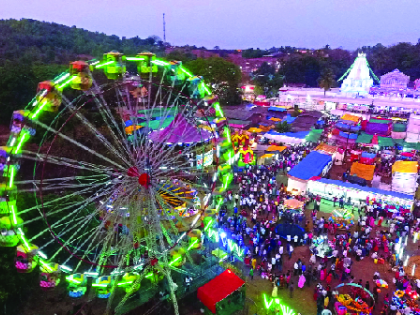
(252, 211)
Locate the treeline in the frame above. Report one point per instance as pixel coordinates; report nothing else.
(325, 66)
(31, 41)
(32, 51)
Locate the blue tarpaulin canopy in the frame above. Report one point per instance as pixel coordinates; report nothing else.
(365, 188)
(276, 109)
(289, 119)
(369, 155)
(299, 135)
(312, 165)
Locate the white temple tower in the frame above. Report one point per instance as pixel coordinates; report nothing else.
(358, 80)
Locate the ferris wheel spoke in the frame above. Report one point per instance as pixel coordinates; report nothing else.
(106, 114)
(62, 161)
(75, 234)
(83, 203)
(55, 225)
(52, 130)
(60, 199)
(95, 131)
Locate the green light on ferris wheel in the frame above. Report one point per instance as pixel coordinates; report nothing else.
(186, 72)
(104, 64)
(128, 282)
(34, 115)
(191, 246)
(14, 214)
(67, 82)
(12, 176)
(134, 59)
(22, 138)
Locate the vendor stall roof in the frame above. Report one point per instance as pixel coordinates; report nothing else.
(353, 118)
(218, 289)
(405, 167)
(273, 148)
(299, 135)
(385, 142)
(312, 165)
(276, 109)
(325, 148)
(364, 138)
(365, 188)
(362, 170)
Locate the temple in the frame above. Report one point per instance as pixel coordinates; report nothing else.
(357, 78)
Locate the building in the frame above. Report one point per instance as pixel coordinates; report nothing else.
(394, 80)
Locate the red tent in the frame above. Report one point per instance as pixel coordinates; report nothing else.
(218, 289)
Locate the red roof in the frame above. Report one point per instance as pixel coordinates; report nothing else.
(218, 289)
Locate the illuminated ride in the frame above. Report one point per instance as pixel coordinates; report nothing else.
(242, 147)
(342, 218)
(353, 298)
(112, 162)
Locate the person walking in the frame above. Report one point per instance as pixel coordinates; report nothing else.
(251, 273)
(291, 289)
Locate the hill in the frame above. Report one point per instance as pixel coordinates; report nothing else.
(32, 51)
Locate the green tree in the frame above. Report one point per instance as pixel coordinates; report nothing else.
(283, 127)
(326, 80)
(222, 75)
(267, 80)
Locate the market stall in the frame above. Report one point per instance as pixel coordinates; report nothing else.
(404, 176)
(287, 137)
(328, 189)
(223, 295)
(364, 171)
(314, 164)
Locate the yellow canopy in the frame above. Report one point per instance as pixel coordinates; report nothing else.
(362, 170)
(405, 167)
(350, 117)
(275, 119)
(265, 156)
(254, 130)
(274, 147)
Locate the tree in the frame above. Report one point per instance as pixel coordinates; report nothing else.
(267, 80)
(283, 127)
(222, 75)
(326, 80)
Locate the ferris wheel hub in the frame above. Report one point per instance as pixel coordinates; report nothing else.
(143, 179)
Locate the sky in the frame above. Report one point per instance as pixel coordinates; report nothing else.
(234, 24)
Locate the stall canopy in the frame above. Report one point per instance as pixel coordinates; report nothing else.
(364, 138)
(362, 170)
(276, 109)
(352, 118)
(218, 289)
(254, 130)
(405, 167)
(385, 142)
(325, 148)
(365, 188)
(273, 148)
(312, 165)
(367, 158)
(380, 127)
(314, 135)
(288, 137)
(289, 119)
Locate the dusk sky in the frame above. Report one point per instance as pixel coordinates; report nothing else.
(236, 24)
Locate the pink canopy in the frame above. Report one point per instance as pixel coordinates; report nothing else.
(181, 131)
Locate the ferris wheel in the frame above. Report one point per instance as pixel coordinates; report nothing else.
(121, 168)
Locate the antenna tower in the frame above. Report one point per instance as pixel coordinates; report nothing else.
(164, 31)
